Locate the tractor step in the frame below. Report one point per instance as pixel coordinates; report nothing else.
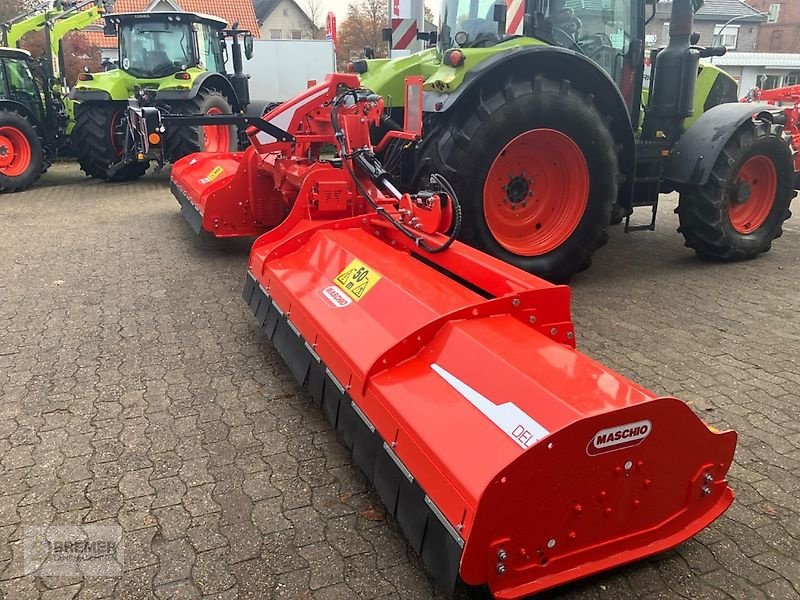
(651, 226)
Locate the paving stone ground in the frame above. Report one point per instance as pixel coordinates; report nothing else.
(137, 391)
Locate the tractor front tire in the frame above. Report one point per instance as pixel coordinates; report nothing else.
(535, 168)
(740, 211)
(21, 156)
(183, 141)
(98, 141)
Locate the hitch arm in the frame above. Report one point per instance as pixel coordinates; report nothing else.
(257, 122)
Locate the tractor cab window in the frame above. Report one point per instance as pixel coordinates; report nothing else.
(211, 49)
(21, 86)
(600, 29)
(156, 49)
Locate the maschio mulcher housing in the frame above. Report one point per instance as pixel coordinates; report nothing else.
(507, 457)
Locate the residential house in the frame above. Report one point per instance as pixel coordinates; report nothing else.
(730, 23)
(283, 20)
(233, 11)
(781, 32)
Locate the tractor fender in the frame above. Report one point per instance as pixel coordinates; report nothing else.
(18, 107)
(695, 154)
(203, 81)
(558, 64)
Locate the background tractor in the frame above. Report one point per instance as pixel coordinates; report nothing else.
(173, 61)
(34, 110)
(536, 112)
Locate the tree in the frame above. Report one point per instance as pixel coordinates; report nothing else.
(11, 8)
(78, 53)
(314, 12)
(362, 27)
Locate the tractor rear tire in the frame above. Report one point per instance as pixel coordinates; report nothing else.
(535, 168)
(183, 141)
(21, 156)
(740, 211)
(97, 144)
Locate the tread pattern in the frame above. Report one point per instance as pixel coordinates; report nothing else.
(93, 146)
(703, 210)
(37, 167)
(183, 141)
(462, 133)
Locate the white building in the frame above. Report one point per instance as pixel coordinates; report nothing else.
(766, 70)
(283, 20)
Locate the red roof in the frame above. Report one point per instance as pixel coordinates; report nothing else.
(230, 10)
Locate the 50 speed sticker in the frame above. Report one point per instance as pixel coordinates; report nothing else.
(357, 279)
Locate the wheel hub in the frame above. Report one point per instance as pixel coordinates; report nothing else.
(518, 189)
(6, 152)
(741, 193)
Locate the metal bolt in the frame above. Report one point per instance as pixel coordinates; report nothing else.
(709, 478)
(706, 490)
(553, 331)
(532, 319)
(501, 554)
(515, 302)
(551, 543)
(570, 335)
(501, 568)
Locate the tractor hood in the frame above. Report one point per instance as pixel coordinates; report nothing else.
(387, 76)
(120, 85)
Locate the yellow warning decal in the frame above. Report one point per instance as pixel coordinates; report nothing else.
(357, 279)
(215, 172)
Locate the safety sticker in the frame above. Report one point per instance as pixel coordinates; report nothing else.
(213, 174)
(357, 279)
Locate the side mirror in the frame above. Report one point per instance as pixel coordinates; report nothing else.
(386, 34)
(109, 29)
(694, 39)
(500, 12)
(248, 46)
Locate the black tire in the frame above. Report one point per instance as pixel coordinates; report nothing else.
(704, 211)
(98, 139)
(182, 141)
(467, 140)
(18, 129)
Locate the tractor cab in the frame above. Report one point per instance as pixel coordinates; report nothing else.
(607, 31)
(160, 44)
(18, 84)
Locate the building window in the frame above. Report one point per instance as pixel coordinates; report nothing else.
(726, 35)
(274, 34)
(665, 33)
(793, 78)
(297, 34)
(769, 82)
(774, 13)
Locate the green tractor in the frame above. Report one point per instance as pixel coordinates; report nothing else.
(174, 61)
(34, 112)
(542, 121)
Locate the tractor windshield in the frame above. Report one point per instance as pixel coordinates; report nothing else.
(600, 29)
(18, 84)
(156, 49)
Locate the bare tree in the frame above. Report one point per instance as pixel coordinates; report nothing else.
(314, 12)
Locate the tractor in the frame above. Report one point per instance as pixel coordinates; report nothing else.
(172, 61)
(34, 110)
(538, 113)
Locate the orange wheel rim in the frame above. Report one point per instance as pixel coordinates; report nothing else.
(753, 194)
(536, 192)
(216, 138)
(15, 152)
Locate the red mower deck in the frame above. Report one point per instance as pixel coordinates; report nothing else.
(508, 458)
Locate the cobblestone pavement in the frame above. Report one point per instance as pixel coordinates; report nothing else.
(136, 390)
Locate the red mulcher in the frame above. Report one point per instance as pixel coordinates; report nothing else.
(507, 457)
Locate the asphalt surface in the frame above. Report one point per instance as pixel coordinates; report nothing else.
(137, 391)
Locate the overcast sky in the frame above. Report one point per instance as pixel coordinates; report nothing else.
(339, 7)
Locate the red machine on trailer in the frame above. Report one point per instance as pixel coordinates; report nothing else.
(508, 458)
(787, 98)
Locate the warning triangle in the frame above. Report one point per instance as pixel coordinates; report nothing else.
(344, 276)
(358, 291)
